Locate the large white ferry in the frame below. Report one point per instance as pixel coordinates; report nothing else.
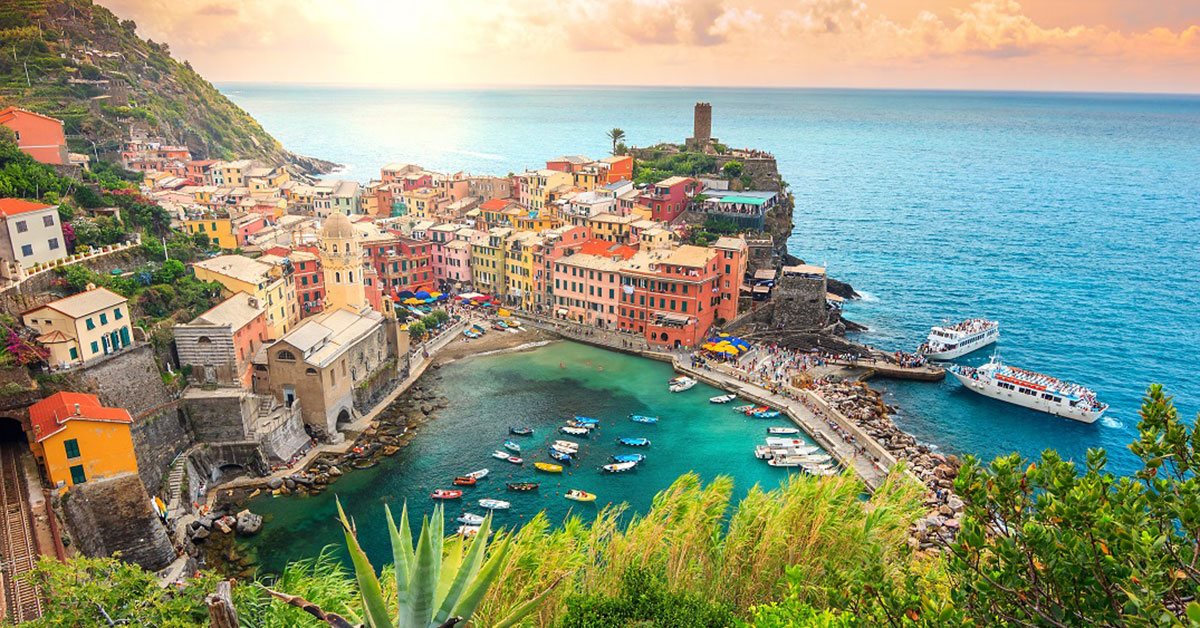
(1030, 390)
(951, 341)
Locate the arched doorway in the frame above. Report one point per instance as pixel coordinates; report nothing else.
(677, 344)
(343, 417)
(227, 472)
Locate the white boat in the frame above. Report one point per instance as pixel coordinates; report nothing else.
(744, 408)
(766, 452)
(783, 431)
(681, 383)
(512, 446)
(951, 341)
(823, 469)
(619, 467)
(722, 398)
(782, 462)
(574, 431)
(1031, 390)
(467, 530)
(779, 441)
(494, 504)
(812, 459)
(478, 475)
(471, 519)
(566, 445)
(500, 455)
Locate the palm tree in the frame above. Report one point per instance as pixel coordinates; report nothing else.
(616, 135)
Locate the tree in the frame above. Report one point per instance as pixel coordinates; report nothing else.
(733, 169)
(616, 135)
(416, 330)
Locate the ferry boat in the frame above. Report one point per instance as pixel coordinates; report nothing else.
(951, 341)
(1031, 390)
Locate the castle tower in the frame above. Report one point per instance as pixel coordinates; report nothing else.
(342, 263)
(701, 128)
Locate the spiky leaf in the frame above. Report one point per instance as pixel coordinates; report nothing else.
(374, 606)
(478, 587)
(466, 571)
(422, 582)
(401, 556)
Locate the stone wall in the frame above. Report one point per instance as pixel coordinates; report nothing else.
(209, 350)
(763, 172)
(376, 387)
(216, 462)
(224, 414)
(114, 515)
(799, 303)
(158, 438)
(40, 289)
(285, 440)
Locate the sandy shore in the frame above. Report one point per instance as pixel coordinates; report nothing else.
(494, 341)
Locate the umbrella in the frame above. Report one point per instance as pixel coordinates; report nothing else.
(405, 294)
(435, 294)
(413, 301)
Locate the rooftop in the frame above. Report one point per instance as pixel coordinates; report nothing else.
(323, 338)
(85, 303)
(14, 206)
(238, 267)
(234, 312)
(49, 415)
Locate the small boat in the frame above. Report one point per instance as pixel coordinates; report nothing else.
(521, 431)
(580, 496)
(755, 410)
(783, 431)
(766, 414)
(467, 531)
(743, 409)
(463, 480)
(566, 445)
(515, 460)
(586, 420)
(494, 504)
(766, 452)
(782, 462)
(637, 418)
(681, 383)
(722, 398)
(574, 431)
(561, 456)
(444, 494)
(547, 467)
(820, 470)
(511, 446)
(500, 454)
(779, 441)
(619, 467)
(628, 457)
(471, 333)
(522, 486)
(478, 475)
(586, 426)
(634, 442)
(499, 325)
(470, 519)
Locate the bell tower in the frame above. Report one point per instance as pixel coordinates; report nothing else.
(342, 264)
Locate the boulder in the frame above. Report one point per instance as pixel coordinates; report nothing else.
(334, 471)
(206, 522)
(274, 483)
(248, 523)
(289, 484)
(955, 503)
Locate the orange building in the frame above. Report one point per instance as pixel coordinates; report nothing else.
(40, 136)
(78, 440)
(620, 168)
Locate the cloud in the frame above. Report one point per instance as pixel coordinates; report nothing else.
(217, 9)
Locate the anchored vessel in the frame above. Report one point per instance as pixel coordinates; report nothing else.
(1031, 390)
(951, 341)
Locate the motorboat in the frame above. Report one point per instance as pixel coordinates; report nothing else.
(755, 410)
(779, 441)
(634, 442)
(547, 467)
(515, 460)
(500, 454)
(494, 504)
(766, 414)
(681, 383)
(586, 420)
(574, 431)
(566, 445)
(822, 470)
(467, 531)
(619, 467)
(470, 519)
(521, 431)
(464, 481)
(743, 409)
(637, 418)
(767, 452)
(478, 475)
(445, 494)
(586, 426)
(511, 446)
(783, 431)
(560, 456)
(523, 486)
(580, 496)
(722, 398)
(628, 457)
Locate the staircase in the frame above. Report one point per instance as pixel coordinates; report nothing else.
(175, 485)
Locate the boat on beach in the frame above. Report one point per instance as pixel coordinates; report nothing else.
(521, 431)
(1030, 390)
(619, 467)
(947, 342)
(470, 519)
(634, 442)
(722, 398)
(445, 494)
(580, 496)
(523, 486)
(494, 504)
(680, 384)
(512, 446)
(463, 480)
(574, 431)
(628, 457)
(637, 418)
(547, 467)
(783, 431)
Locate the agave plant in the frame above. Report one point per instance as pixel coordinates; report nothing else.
(438, 584)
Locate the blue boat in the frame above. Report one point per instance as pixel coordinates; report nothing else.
(583, 420)
(560, 456)
(511, 446)
(629, 457)
(634, 442)
(769, 414)
(637, 418)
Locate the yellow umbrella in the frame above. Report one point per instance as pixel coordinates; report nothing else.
(504, 312)
(435, 294)
(413, 301)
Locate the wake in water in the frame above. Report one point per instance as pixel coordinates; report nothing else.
(1109, 420)
(866, 297)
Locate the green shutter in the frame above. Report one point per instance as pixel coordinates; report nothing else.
(77, 474)
(95, 347)
(117, 314)
(125, 337)
(74, 353)
(90, 324)
(103, 318)
(72, 448)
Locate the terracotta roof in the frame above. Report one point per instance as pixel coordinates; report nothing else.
(14, 206)
(49, 415)
(496, 204)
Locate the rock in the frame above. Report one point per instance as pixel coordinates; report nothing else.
(334, 471)
(426, 409)
(955, 503)
(248, 523)
(274, 483)
(945, 510)
(289, 484)
(390, 450)
(206, 522)
(200, 534)
(953, 524)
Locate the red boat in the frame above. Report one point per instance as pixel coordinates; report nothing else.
(464, 481)
(444, 494)
(756, 410)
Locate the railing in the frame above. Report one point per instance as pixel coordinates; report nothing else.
(17, 275)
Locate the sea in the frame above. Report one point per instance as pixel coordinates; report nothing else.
(1072, 218)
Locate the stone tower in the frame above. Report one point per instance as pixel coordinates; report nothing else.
(342, 263)
(701, 128)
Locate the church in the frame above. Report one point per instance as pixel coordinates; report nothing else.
(333, 363)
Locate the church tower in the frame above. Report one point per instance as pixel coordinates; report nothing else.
(342, 263)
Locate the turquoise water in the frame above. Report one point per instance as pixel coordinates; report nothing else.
(1072, 218)
(540, 389)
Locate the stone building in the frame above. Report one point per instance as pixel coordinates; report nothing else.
(219, 344)
(701, 128)
(800, 298)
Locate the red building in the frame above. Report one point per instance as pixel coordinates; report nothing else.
(199, 172)
(402, 263)
(309, 279)
(40, 136)
(671, 296)
(670, 197)
(568, 163)
(620, 168)
(556, 243)
(732, 266)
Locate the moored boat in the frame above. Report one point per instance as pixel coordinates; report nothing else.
(947, 342)
(580, 496)
(783, 431)
(523, 486)
(478, 475)
(500, 454)
(494, 504)
(547, 467)
(463, 480)
(521, 431)
(515, 460)
(586, 420)
(634, 442)
(766, 414)
(574, 431)
(780, 441)
(566, 445)
(628, 457)
(722, 398)
(681, 383)
(470, 519)
(442, 493)
(561, 456)
(755, 410)
(1030, 390)
(743, 409)
(511, 446)
(637, 418)
(467, 530)
(619, 467)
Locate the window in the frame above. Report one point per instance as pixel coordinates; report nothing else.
(95, 347)
(74, 353)
(103, 318)
(90, 324)
(53, 242)
(22, 227)
(285, 355)
(72, 448)
(48, 220)
(77, 474)
(117, 314)
(26, 250)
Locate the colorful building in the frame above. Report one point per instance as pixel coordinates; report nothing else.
(78, 440)
(270, 283)
(40, 136)
(618, 168)
(82, 327)
(587, 285)
(520, 287)
(30, 234)
(219, 344)
(488, 257)
(732, 267)
(670, 296)
(670, 197)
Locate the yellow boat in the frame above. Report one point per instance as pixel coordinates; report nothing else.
(580, 496)
(547, 467)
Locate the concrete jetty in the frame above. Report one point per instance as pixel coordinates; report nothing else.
(881, 368)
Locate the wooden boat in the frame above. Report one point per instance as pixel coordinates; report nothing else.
(634, 442)
(478, 475)
(500, 454)
(560, 456)
(574, 431)
(783, 431)
(547, 467)
(523, 486)
(521, 431)
(515, 460)
(637, 418)
(722, 398)
(495, 504)
(463, 480)
(628, 457)
(470, 519)
(445, 494)
(566, 445)
(512, 446)
(619, 467)
(580, 496)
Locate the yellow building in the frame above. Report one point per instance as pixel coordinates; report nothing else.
(537, 187)
(78, 440)
(488, 258)
(528, 221)
(519, 273)
(82, 327)
(421, 202)
(265, 281)
(611, 227)
(216, 226)
(589, 178)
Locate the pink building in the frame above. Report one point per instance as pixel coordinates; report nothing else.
(555, 244)
(587, 285)
(670, 197)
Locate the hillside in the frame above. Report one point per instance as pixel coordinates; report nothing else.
(78, 62)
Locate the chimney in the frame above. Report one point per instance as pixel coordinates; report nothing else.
(91, 286)
(253, 302)
(76, 409)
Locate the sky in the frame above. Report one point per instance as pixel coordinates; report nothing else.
(1057, 45)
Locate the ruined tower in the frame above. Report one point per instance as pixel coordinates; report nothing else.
(701, 128)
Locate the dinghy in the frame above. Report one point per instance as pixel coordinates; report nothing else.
(478, 475)
(515, 460)
(619, 467)
(634, 442)
(580, 496)
(500, 455)
(566, 445)
(743, 409)
(523, 486)
(783, 431)
(561, 456)
(574, 431)
(637, 418)
(463, 480)
(628, 457)
(470, 519)
(467, 531)
(681, 383)
(766, 414)
(511, 446)
(445, 494)
(586, 420)
(722, 398)
(494, 504)
(547, 467)
(779, 441)
(521, 431)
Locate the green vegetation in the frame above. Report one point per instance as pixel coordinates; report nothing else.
(665, 164)
(713, 228)
(416, 330)
(616, 135)
(156, 292)
(644, 599)
(733, 169)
